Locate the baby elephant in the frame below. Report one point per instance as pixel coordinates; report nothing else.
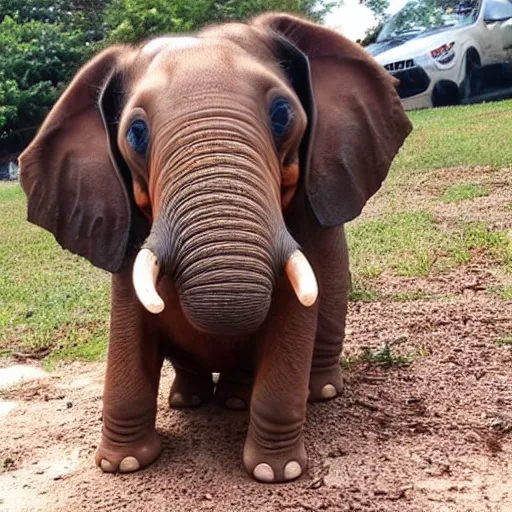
(212, 175)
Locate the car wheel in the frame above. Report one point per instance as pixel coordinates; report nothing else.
(445, 94)
(472, 83)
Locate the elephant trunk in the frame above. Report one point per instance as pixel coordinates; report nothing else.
(220, 236)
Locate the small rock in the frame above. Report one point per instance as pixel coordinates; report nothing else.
(208, 496)
(319, 482)
(69, 405)
(380, 492)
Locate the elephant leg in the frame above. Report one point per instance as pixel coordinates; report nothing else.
(326, 380)
(274, 448)
(191, 388)
(129, 441)
(233, 390)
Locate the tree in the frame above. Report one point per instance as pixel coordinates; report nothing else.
(378, 7)
(42, 43)
(133, 20)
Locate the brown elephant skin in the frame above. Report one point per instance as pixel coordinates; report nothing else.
(212, 174)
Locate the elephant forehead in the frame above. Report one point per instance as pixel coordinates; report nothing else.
(169, 43)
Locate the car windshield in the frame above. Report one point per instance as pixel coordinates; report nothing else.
(420, 16)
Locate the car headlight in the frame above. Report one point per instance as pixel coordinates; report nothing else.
(444, 54)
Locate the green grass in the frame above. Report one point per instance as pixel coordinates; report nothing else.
(402, 242)
(385, 357)
(51, 301)
(464, 192)
(457, 136)
(503, 292)
(417, 295)
(504, 341)
(413, 244)
(361, 293)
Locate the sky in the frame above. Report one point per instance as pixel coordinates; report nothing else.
(353, 19)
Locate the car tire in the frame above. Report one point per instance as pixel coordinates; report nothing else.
(472, 83)
(445, 94)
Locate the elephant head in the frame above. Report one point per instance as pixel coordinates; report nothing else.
(183, 155)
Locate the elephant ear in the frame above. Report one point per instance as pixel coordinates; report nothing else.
(356, 121)
(71, 172)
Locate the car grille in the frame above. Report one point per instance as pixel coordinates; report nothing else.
(413, 79)
(400, 65)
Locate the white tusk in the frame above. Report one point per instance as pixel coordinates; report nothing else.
(302, 278)
(145, 273)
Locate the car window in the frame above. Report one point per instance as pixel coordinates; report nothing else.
(497, 10)
(419, 16)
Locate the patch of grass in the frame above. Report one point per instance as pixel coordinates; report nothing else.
(503, 292)
(476, 236)
(464, 191)
(364, 296)
(418, 295)
(384, 357)
(413, 244)
(505, 341)
(51, 300)
(360, 292)
(454, 136)
(403, 242)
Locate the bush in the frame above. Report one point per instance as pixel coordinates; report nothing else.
(44, 42)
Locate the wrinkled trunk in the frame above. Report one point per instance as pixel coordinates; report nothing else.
(218, 233)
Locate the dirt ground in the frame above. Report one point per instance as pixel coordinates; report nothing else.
(431, 435)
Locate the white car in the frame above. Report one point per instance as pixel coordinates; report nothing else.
(454, 55)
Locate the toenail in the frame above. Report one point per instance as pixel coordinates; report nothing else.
(106, 466)
(195, 400)
(235, 403)
(129, 464)
(292, 470)
(329, 391)
(177, 400)
(263, 472)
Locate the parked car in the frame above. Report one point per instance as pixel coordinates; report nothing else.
(454, 55)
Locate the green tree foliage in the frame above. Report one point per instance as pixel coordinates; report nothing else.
(43, 42)
(133, 20)
(419, 12)
(378, 7)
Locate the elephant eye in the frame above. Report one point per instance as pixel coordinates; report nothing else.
(281, 115)
(138, 136)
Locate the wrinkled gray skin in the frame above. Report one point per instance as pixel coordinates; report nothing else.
(222, 204)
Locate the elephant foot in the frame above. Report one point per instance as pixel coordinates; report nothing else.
(274, 464)
(190, 390)
(325, 385)
(234, 391)
(122, 457)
